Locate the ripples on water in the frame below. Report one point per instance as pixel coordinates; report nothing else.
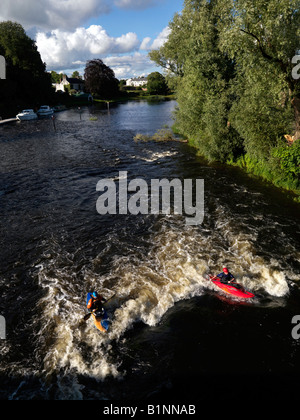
(55, 248)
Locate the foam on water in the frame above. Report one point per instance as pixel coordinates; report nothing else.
(62, 249)
(146, 287)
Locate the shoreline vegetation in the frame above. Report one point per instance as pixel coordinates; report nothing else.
(232, 67)
(162, 135)
(255, 168)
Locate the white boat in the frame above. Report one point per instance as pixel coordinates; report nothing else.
(45, 111)
(27, 115)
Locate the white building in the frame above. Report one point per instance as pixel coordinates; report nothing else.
(76, 84)
(137, 82)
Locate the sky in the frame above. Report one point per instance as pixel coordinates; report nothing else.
(119, 32)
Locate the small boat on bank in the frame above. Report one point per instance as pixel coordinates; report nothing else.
(45, 111)
(59, 108)
(27, 115)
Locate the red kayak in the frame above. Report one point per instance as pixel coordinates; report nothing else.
(233, 289)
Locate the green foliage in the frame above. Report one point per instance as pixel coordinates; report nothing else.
(161, 135)
(100, 80)
(289, 157)
(270, 171)
(27, 82)
(55, 77)
(230, 62)
(76, 75)
(19, 50)
(262, 37)
(157, 84)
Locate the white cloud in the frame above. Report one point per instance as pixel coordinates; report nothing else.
(65, 44)
(127, 66)
(161, 39)
(52, 14)
(145, 45)
(62, 49)
(63, 14)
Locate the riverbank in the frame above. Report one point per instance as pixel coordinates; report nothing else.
(264, 171)
(281, 170)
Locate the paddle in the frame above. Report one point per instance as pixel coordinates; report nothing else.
(87, 316)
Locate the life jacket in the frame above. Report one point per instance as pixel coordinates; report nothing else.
(225, 277)
(91, 301)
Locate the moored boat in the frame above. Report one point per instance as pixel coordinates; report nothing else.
(27, 115)
(59, 108)
(45, 111)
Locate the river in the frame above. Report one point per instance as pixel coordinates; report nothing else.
(172, 334)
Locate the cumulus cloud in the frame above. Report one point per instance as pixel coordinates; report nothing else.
(147, 43)
(63, 14)
(52, 14)
(62, 49)
(127, 66)
(64, 42)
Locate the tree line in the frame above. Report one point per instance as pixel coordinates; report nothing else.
(27, 81)
(231, 64)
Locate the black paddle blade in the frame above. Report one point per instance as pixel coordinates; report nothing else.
(87, 316)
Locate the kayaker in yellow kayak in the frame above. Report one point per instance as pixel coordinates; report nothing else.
(95, 302)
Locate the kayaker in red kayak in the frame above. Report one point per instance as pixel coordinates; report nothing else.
(226, 277)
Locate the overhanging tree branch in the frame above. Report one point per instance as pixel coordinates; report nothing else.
(283, 66)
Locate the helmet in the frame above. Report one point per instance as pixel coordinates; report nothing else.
(95, 295)
(225, 270)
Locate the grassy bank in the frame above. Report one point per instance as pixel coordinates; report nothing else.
(281, 169)
(270, 172)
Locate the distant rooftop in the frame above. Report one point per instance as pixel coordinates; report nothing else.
(139, 79)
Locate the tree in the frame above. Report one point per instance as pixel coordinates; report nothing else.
(56, 77)
(20, 50)
(231, 63)
(27, 81)
(76, 75)
(100, 79)
(157, 84)
(201, 74)
(263, 37)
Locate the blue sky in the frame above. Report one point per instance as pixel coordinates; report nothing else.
(70, 32)
(147, 22)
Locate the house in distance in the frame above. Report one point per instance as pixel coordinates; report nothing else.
(137, 82)
(68, 84)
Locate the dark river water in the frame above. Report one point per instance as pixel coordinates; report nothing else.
(173, 335)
